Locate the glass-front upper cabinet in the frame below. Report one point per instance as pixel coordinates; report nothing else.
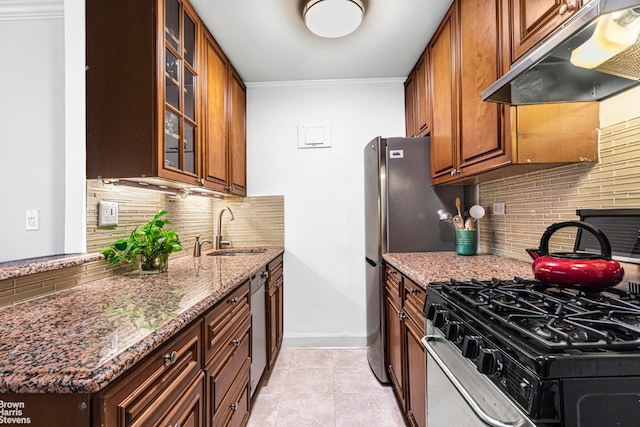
(181, 29)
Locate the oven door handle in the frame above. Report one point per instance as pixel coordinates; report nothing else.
(488, 419)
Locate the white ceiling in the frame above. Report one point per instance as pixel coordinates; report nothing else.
(266, 40)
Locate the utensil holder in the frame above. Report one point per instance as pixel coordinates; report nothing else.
(466, 242)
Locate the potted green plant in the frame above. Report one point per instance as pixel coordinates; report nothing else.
(152, 242)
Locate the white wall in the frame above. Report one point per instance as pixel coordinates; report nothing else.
(32, 117)
(323, 189)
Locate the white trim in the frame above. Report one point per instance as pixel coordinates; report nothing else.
(325, 342)
(335, 82)
(11, 10)
(75, 211)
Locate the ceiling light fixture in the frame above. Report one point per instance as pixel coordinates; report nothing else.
(333, 18)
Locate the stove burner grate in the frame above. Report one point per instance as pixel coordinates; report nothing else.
(554, 318)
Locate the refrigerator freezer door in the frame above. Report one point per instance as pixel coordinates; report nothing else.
(375, 321)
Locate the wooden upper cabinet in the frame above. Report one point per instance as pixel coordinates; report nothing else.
(482, 138)
(417, 105)
(410, 106)
(473, 140)
(237, 135)
(215, 124)
(444, 94)
(533, 20)
(165, 112)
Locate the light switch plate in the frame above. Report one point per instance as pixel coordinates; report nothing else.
(107, 214)
(499, 208)
(314, 135)
(32, 220)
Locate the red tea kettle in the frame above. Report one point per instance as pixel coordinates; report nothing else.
(578, 270)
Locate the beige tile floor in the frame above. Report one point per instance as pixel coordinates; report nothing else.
(324, 388)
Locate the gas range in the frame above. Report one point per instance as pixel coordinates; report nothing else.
(566, 357)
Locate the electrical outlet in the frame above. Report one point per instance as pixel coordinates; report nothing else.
(33, 220)
(107, 214)
(499, 208)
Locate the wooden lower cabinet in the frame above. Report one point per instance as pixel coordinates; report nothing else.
(405, 353)
(275, 312)
(228, 381)
(395, 348)
(199, 378)
(161, 387)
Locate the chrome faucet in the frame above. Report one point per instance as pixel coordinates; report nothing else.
(198, 246)
(219, 242)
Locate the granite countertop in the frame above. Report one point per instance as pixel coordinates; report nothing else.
(26, 267)
(80, 339)
(425, 267)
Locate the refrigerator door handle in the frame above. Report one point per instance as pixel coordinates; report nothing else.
(371, 263)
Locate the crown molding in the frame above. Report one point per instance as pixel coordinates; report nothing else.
(11, 10)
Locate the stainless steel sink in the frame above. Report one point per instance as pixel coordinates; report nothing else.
(237, 252)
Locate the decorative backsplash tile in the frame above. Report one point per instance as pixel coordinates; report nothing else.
(538, 199)
(259, 222)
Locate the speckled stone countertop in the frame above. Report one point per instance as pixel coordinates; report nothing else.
(79, 340)
(26, 267)
(425, 267)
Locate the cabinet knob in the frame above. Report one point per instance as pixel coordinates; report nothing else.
(235, 343)
(402, 315)
(201, 182)
(567, 7)
(233, 300)
(234, 406)
(413, 291)
(170, 358)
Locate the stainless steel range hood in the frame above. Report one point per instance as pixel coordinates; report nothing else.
(545, 74)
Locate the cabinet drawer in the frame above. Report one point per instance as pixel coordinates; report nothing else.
(275, 268)
(234, 410)
(222, 320)
(414, 296)
(393, 282)
(189, 410)
(148, 392)
(228, 363)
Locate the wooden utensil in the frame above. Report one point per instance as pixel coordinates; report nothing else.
(457, 220)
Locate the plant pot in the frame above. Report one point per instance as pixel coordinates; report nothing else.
(156, 264)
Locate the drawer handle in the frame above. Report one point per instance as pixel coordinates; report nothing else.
(234, 300)
(235, 343)
(170, 358)
(413, 291)
(234, 406)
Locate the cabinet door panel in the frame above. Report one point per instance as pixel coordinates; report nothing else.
(533, 20)
(422, 97)
(395, 351)
(410, 106)
(215, 139)
(443, 97)
(416, 375)
(480, 126)
(237, 135)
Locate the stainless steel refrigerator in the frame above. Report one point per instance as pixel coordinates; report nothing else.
(400, 216)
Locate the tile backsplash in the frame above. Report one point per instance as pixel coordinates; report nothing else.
(259, 221)
(538, 199)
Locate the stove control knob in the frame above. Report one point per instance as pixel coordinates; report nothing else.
(431, 311)
(453, 330)
(489, 362)
(471, 346)
(440, 318)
